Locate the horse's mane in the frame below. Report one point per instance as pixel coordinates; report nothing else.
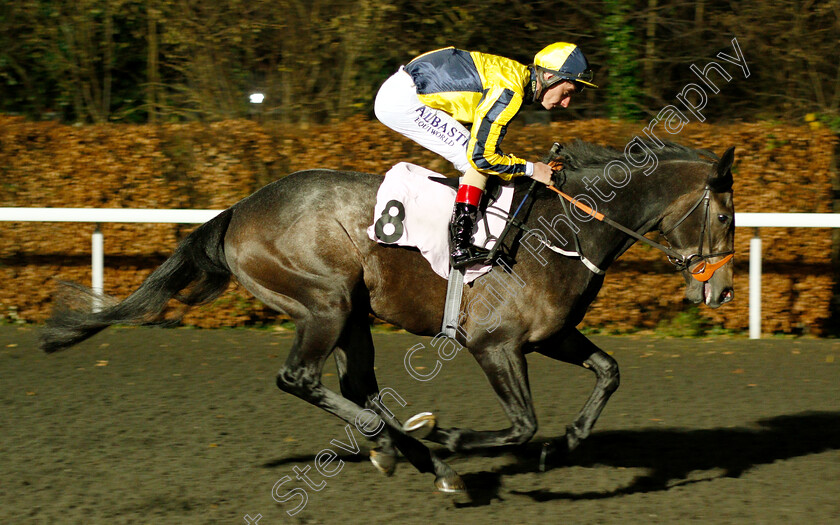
(581, 158)
(579, 154)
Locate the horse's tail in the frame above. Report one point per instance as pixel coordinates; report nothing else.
(195, 274)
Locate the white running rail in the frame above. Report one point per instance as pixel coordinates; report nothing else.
(137, 215)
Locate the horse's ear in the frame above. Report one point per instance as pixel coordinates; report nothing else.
(721, 179)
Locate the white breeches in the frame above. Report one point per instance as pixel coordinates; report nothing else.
(398, 107)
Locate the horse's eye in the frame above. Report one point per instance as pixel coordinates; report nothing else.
(723, 218)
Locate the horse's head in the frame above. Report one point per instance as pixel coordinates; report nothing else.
(700, 226)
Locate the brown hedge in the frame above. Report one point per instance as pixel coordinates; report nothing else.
(779, 168)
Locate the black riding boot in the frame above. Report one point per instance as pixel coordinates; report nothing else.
(463, 252)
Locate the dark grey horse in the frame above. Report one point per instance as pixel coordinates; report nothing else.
(300, 246)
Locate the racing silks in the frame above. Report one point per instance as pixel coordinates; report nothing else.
(478, 88)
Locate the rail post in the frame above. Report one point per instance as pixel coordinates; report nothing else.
(755, 286)
(97, 254)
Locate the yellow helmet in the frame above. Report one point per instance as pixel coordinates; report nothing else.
(566, 62)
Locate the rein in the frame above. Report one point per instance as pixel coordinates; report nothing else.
(697, 263)
(606, 220)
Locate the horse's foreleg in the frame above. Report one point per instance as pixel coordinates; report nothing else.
(354, 358)
(507, 371)
(576, 349)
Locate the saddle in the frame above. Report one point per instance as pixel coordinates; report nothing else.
(413, 209)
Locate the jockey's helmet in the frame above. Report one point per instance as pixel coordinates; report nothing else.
(566, 62)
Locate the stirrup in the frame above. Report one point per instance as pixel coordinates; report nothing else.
(468, 256)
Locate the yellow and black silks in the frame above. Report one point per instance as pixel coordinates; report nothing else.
(478, 88)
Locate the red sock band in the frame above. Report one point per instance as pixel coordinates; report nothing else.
(469, 194)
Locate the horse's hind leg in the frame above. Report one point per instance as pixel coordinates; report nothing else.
(315, 338)
(354, 359)
(576, 349)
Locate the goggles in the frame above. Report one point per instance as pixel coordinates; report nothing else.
(580, 80)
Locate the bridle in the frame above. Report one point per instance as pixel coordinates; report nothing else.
(697, 264)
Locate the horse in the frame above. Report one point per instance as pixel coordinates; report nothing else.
(300, 246)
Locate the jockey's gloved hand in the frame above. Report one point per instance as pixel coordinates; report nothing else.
(542, 173)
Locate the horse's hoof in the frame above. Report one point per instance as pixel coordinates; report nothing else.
(551, 455)
(572, 439)
(384, 462)
(450, 484)
(546, 453)
(420, 425)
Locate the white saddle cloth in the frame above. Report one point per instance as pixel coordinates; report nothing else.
(412, 210)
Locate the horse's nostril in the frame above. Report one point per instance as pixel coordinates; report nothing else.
(727, 295)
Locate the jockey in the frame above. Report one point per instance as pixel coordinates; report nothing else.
(428, 99)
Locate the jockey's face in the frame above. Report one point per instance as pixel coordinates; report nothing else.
(559, 94)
